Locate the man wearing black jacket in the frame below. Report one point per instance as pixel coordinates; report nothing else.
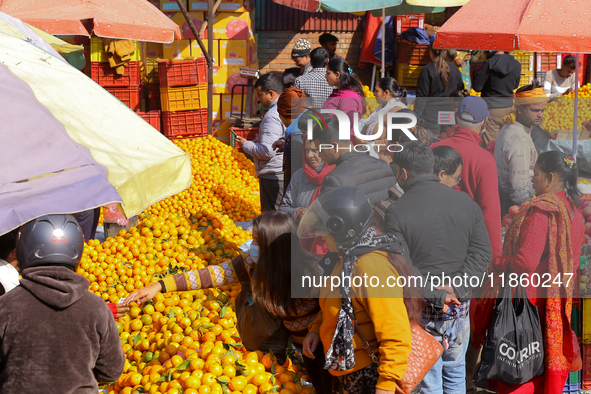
(353, 168)
(445, 237)
(497, 80)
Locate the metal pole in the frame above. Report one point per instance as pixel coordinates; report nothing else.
(383, 43)
(207, 57)
(576, 105)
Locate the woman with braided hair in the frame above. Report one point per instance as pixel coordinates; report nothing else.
(544, 241)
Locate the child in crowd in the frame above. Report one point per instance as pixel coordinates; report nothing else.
(448, 165)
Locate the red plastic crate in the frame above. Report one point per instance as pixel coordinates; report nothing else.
(250, 134)
(154, 97)
(547, 61)
(409, 53)
(129, 96)
(586, 371)
(184, 123)
(104, 75)
(152, 117)
(182, 73)
(404, 22)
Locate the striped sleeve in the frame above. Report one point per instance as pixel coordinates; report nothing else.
(230, 272)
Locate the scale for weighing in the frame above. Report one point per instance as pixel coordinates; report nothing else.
(245, 119)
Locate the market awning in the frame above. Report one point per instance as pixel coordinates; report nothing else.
(130, 19)
(540, 26)
(392, 7)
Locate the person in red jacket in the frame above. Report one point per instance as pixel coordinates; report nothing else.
(479, 179)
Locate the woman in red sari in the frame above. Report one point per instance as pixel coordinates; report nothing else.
(545, 238)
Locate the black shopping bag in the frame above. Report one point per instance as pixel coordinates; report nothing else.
(514, 349)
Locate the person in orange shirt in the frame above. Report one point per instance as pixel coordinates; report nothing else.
(360, 315)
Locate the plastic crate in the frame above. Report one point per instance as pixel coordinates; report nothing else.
(409, 53)
(586, 312)
(152, 117)
(573, 383)
(186, 98)
(183, 72)
(547, 61)
(575, 319)
(526, 78)
(408, 74)
(525, 58)
(404, 22)
(105, 75)
(585, 373)
(184, 123)
(250, 134)
(152, 77)
(97, 51)
(129, 96)
(540, 76)
(153, 97)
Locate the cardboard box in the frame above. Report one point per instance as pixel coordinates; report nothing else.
(229, 26)
(177, 50)
(225, 5)
(238, 52)
(222, 131)
(154, 50)
(169, 6)
(226, 77)
(196, 51)
(196, 17)
(216, 107)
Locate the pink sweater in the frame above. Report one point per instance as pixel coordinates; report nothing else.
(348, 101)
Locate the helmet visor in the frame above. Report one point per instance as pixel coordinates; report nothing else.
(314, 222)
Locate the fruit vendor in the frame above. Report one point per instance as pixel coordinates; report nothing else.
(497, 79)
(267, 161)
(54, 334)
(515, 152)
(562, 80)
(300, 54)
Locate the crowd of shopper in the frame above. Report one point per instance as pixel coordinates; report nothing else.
(318, 196)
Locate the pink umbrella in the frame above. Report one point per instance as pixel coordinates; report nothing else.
(529, 25)
(129, 19)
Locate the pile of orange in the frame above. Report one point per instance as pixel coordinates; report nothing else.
(158, 245)
(224, 180)
(559, 114)
(188, 343)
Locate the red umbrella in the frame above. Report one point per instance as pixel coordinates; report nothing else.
(528, 25)
(129, 19)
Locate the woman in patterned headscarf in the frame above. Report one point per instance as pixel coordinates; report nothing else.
(544, 242)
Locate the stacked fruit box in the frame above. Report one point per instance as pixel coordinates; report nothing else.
(234, 46)
(183, 96)
(126, 86)
(526, 59)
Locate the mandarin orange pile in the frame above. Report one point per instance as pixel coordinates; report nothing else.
(224, 180)
(159, 245)
(188, 343)
(370, 101)
(559, 114)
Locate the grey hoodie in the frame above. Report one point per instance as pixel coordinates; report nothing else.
(498, 78)
(56, 336)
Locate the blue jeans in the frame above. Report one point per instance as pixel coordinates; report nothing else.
(448, 375)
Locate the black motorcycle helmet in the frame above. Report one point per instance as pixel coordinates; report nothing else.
(50, 240)
(345, 213)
